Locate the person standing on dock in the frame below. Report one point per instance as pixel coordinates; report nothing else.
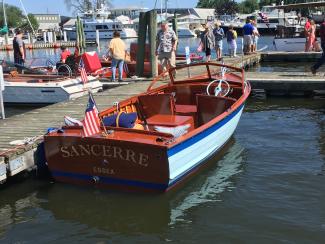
(248, 34)
(64, 54)
(320, 61)
(219, 34)
(207, 42)
(19, 48)
(255, 36)
(117, 50)
(166, 41)
(307, 32)
(231, 40)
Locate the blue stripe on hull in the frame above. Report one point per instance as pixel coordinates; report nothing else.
(109, 180)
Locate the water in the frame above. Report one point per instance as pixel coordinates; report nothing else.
(265, 43)
(266, 186)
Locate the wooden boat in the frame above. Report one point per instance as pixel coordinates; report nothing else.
(182, 126)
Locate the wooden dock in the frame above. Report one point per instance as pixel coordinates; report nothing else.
(290, 56)
(287, 83)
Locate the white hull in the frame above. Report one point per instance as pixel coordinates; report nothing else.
(91, 35)
(50, 92)
(290, 44)
(185, 32)
(182, 161)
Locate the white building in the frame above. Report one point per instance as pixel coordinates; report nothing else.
(48, 21)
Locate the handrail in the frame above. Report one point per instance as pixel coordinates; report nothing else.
(206, 64)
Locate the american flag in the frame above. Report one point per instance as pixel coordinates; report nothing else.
(83, 72)
(91, 121)
(264, 18)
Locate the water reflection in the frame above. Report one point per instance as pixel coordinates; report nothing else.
(121, 212)
(217, 181)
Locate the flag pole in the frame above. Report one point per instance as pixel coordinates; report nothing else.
(100, 119)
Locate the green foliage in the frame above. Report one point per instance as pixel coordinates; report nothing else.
(15, 17)
(220, 6)
(26, 26)
(248, 6)
(78, 6)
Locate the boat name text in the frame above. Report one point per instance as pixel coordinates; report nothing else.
(113, 152)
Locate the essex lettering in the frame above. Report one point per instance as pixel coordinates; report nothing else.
(113, 152)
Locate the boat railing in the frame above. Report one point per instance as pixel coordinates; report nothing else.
(211, 72)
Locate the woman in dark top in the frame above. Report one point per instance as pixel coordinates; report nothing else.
(207, 42)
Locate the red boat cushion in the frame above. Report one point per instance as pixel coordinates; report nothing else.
(91, 61)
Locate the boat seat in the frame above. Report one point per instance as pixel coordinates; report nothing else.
(170, 121)
(209, 107)
(154, 104)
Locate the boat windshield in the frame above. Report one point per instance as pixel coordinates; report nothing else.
(9, 66)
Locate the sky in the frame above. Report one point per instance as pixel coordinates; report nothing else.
(58, 6)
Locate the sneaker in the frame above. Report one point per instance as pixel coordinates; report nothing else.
(313, 70)
(120, 80)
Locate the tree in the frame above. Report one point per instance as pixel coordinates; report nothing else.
(26, 26)
(15, 17)
(220, 6)
(248, 6)
(78, 6)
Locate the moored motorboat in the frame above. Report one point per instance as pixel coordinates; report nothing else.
(46, 89)
(177, 127)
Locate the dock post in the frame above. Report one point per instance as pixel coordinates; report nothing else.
(152, 32)
(142, 34)
(65, 36)
(174, 22)
(2, 87)
(97, 39)
(44, 37)
(54, 36)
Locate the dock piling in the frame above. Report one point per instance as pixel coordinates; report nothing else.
(142, 34)
(152, 32)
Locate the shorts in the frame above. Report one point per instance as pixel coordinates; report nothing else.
(208, 51)
(255, 40)
(248, 40)
(219, 44)
(167, 59)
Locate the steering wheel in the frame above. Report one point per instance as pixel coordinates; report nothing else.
(220, 90)
(50, 63)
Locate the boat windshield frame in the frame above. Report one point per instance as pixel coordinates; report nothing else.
(211, 74)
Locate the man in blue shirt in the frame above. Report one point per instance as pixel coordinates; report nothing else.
(248, 34)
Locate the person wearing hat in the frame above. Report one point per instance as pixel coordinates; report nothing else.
(207, 42)
(19, 48)
(166, 41)
(307, 31)
(219, 34)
